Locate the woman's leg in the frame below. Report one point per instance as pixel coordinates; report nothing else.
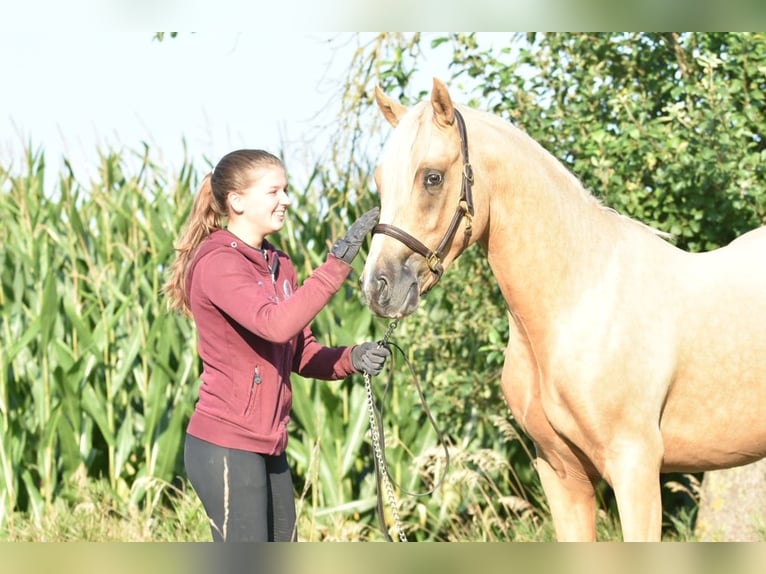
(281, 500)
(233, 486)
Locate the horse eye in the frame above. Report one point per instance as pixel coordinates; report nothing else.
(432, 179)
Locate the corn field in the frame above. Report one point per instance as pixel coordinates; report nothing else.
(97, 379)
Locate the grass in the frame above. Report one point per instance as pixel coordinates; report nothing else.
(93, 512)
(97, 514)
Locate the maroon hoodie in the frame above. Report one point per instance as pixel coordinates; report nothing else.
(253, 330)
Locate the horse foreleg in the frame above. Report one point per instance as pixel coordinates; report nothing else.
(571, 497)
(634, 474)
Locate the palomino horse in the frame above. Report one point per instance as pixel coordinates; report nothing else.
(628, 357)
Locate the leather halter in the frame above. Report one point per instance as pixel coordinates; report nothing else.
(464, 210)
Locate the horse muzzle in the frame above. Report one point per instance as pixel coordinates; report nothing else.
(391, 291)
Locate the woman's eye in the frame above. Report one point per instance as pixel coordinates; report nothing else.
(433, 179)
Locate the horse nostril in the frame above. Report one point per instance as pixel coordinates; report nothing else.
(382, 285)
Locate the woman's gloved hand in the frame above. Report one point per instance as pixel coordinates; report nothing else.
(369, 357)
(346, 248)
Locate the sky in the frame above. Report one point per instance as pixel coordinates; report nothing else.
(215, 91)
(198, 95)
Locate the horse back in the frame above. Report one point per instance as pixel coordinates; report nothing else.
(720, 377)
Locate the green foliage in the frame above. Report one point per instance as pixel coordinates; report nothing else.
(664, 127)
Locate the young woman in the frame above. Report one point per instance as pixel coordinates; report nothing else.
(253, 329)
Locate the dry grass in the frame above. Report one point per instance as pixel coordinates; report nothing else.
(96, 514)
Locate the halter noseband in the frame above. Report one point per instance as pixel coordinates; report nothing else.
(464, 210)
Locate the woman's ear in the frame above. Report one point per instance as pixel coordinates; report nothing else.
(235, 203)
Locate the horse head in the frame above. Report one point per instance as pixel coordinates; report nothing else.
(424, 180)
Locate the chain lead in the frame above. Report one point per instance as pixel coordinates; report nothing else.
(378, 453)
(389, 331)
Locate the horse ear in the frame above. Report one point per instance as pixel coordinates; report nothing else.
(444, 110)
(392, 110)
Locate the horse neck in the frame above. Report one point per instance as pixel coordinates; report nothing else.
(543, 229)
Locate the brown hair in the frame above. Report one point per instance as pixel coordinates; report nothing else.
(234, 172)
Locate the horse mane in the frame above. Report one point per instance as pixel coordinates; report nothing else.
(653, 230)
(576, 184)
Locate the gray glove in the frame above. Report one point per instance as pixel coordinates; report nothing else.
(347, 247)
(369, 357)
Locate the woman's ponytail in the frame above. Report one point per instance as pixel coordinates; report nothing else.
(205, 218)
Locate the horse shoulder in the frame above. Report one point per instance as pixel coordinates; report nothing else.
(520, 378)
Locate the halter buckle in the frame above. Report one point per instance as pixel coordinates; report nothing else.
(434, 262)
(463, 206)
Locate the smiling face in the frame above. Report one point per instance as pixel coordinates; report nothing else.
(259, 209)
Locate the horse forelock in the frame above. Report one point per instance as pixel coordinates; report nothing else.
(402, 155)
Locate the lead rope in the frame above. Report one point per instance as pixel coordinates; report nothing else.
(380, 461)
(378, 445)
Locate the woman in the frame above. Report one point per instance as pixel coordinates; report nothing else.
(253, 330)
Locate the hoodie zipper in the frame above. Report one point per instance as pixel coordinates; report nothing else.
(272, 268)
(256, 380)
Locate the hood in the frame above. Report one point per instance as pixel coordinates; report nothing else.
(225, 239)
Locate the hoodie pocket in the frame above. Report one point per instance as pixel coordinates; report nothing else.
(255, 383)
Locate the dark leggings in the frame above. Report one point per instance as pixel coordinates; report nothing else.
(248, 496)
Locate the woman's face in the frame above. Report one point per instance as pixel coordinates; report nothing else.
(261, 207)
